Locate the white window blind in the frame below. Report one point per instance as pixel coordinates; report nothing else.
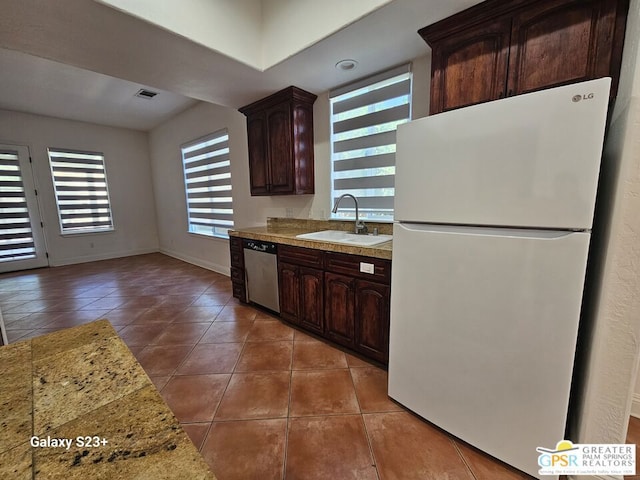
(82, 195)
(364, 117)
(16, 236)
(207, 177)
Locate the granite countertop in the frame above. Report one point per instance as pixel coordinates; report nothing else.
(84, 382)
(284, 231)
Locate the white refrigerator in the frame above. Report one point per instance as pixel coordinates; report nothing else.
(493, 211)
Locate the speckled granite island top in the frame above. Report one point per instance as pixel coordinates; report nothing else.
(285, 230)
(76, 404)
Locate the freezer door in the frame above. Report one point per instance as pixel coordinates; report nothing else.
(483, 333)
(531, 160)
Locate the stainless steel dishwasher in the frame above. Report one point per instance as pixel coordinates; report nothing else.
(261, 273)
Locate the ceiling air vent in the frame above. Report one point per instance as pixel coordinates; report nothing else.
(142, 93)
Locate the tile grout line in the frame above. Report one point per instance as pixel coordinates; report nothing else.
(190, 351)
(374, 462)
(288, 419)
(215, 412)
(370, 444)
(462, 457)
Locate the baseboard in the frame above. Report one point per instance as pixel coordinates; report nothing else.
(102, 256)
(635, 406)
(224, 270)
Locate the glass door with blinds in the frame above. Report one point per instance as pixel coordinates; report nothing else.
(22, 243)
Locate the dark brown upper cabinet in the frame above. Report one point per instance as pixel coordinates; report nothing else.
(280, 134)
(502, 48)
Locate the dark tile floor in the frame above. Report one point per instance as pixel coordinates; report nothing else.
(260, 399)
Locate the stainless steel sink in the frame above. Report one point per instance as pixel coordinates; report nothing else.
(339, 236)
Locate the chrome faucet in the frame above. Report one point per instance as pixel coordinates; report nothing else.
(360, 228)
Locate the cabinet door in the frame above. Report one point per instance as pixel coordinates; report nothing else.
(558, 42)
(311, 312)
(303, 148)
(237, 269)
(470, 67)
(372, 319)
(339, 308)
(258, 165)
(280, 148)
(289, 285)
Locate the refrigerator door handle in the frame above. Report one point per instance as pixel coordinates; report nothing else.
(488, 231)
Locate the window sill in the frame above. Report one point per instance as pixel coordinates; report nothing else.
(366, 220)
(87, 232)
(215, 237)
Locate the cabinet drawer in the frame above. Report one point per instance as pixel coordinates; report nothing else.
(237, 258)
(239, 292)
(300, 256)
(354, 264)
(235, 243)
(237, 275)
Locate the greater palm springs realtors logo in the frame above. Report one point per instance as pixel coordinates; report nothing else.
(587, 459)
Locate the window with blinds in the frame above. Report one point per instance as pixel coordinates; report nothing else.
(207, 178)
(82, 196)
(364, 117)
(16, 236)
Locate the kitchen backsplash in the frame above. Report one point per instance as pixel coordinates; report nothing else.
(317, 225)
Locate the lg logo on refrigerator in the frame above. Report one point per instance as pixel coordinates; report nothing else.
(577, 98)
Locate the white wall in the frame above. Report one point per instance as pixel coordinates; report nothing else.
(165, 141)
(168, 181)
(289, 27)
(233, 28)
(128, 175)
(167, 174)
(611, 348)
(258, 33)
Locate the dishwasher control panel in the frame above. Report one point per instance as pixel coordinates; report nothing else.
(260, 246)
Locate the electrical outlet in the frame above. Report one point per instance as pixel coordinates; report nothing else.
(367, 267)
(289, 212)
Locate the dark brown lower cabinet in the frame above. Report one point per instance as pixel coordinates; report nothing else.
(237, 269)
(372, 319)
(289, 291)
(339, 308)
(311, 296)
(356, 314)
(343, 298)
(301, 294)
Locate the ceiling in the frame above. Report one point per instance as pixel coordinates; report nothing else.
(35, 85)
(83, 60)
